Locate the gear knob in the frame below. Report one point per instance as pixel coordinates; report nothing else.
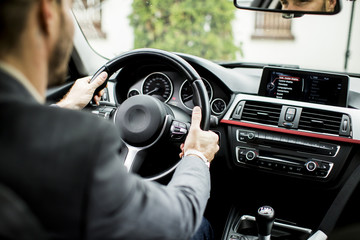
(264, 220)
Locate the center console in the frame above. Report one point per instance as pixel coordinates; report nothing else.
(285, 144)
(293, 126)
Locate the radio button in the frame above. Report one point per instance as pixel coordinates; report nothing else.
(242, 151)
(241, 159)
(269, 164)
(324, 166)
(261, 163)
(241, 136)
(283, 167)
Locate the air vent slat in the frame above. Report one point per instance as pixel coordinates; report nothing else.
(259, 112)
(321, 121)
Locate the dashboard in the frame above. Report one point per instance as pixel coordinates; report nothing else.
(287, 136)
(288, 122)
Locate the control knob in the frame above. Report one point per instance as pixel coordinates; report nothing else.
(251, 136)
(250, 155)
(311, 166)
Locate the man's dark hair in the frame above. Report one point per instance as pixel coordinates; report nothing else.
(13, 16)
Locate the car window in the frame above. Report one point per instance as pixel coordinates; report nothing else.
(216, 30)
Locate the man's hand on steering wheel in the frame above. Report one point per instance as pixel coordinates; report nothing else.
(82, 92)
(204, 142)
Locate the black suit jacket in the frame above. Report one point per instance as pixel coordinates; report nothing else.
(65, 164)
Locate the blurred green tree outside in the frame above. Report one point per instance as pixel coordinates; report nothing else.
(199, 27)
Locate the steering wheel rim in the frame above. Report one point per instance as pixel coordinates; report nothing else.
(178, 63)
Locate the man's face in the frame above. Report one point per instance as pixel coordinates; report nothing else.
(308, 5)
(62, 49)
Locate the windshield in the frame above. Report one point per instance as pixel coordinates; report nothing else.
(216, 30)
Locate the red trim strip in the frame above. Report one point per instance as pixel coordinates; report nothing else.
(282, 130)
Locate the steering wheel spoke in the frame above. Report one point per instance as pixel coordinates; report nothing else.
(134, 158)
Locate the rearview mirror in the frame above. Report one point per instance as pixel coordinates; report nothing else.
(297, 7)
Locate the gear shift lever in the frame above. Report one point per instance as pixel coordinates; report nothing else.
(264, 220)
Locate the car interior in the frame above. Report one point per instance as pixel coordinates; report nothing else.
(289, 157)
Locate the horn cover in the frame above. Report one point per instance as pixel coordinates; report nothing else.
(140, 120)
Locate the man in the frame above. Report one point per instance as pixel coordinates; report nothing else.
(309, 5)
(65, 164)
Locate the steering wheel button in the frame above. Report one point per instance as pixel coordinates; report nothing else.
(183, 130)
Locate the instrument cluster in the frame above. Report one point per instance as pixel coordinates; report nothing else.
(170, 88)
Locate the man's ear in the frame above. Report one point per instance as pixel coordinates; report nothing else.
(331, 5)
(47, 15)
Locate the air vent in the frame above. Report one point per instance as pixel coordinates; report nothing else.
(260, 112)
(321, 121)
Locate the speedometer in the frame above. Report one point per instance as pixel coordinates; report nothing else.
(158, 85)
(186, 93)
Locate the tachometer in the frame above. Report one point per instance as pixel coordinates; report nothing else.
(158, 85)
(186, 93)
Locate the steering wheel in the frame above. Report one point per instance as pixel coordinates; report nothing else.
(143, 120)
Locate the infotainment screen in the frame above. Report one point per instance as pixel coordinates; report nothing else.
(306, 86)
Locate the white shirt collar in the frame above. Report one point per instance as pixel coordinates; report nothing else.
(15, 73)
